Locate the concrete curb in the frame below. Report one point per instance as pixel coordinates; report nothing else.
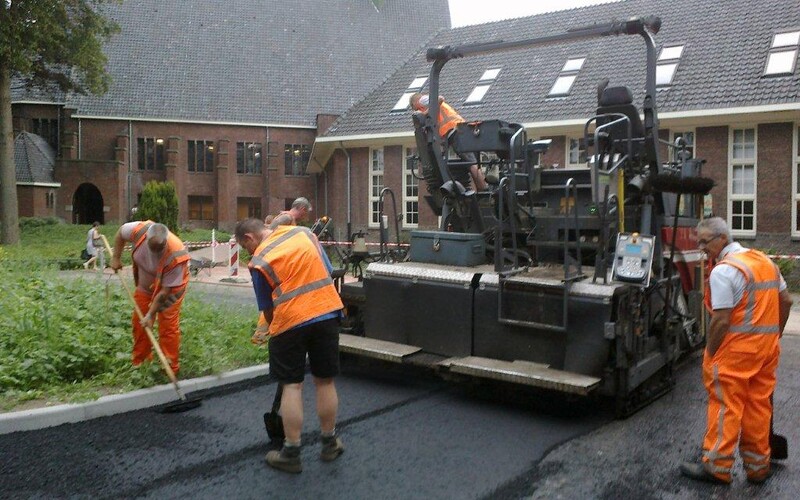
(40, 418)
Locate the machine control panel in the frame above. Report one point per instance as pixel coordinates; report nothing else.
(633, 258)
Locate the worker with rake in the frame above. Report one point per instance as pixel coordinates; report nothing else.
(161, 274)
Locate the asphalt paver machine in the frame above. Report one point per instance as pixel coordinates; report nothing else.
(580, 280)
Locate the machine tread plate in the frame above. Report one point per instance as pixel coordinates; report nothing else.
(523, 372)
(374, 348)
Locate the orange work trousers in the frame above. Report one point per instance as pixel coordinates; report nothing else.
(740, 379)
(169, 331)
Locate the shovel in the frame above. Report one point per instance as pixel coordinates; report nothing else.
(273, 421)
(184, 404)
(779, 446)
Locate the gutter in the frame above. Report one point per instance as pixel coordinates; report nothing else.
(349, 198)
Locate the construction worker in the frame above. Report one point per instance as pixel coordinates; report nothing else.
(299, 212)
(161, 273)
(749, 306)
(297, 298)
(448, 120)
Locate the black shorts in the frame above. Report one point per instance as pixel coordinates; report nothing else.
(287, 352)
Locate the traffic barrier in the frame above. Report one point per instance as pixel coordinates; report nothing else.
(233, 258)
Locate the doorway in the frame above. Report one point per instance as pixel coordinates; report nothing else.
(87, 205)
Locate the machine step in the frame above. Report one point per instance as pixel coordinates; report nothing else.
(374, 348)
(523, 372)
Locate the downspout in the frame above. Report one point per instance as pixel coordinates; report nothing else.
(79, 139)
(130, 167)
(266, 154)
(349, 198)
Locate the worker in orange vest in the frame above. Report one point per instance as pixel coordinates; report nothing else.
(297, 298)
(299, 212)
(749, 305)
(161, 274)
(448, 119)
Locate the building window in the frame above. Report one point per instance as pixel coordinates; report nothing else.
(667, 64)
(796, 181)
(487, 79)
(375, 185)
(782, 58)
(415, 86)
(201, 156)
(296, 157)
(576, 154)
(151, 153)
(410, 192)
(567, 77)
(688, 137)
(248, 158)
(48, 129)
(50, 199)
(248, 207)
(742, 186)
(201, 208)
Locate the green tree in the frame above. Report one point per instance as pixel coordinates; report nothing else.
(159, 203)
(45, 43)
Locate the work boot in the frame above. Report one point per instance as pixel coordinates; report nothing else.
(699, 472)
(287, 459)
(759, 478)
(331, 448)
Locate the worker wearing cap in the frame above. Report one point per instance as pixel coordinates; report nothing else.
(301, 208)
(297, 298)
(749, 306)
(448, 120)
(161, 273)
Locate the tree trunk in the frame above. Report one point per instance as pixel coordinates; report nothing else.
(9, 234)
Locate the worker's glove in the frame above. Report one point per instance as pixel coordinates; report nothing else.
(167, 302)
(147, 321)
(261, 334)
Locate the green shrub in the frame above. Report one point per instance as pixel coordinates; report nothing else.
(159, 203)
(28, 222)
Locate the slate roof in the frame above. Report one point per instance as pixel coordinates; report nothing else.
(725, 51)
(34, 158)
(255, 61)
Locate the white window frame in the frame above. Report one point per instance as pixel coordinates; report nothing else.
(374, 195)
(674, 133)
(568, 150)
(743, 197)
(795, 181)
(783, 47)
(567, 76)
(482, 87)
(413, 87)
(409, 181)
(667, 64)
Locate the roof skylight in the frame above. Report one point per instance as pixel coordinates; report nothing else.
(479, 92)
(668, 61)
(566, 78)
(415, 86)
(782, 58)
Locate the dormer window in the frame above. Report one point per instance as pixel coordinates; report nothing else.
(567, 77)
(667, 64)
(414, 87)
(782, 58)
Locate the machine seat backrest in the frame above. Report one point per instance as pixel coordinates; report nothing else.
(620, 100)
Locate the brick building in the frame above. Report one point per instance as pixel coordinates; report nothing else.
(223, 98)
(728, 83)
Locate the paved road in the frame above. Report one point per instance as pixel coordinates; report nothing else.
(405, 438)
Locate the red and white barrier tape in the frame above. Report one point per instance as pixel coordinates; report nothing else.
(349, 243)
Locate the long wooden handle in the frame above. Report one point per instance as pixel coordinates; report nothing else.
(150, 335)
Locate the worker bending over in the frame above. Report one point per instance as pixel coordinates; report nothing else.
(161, 273)
(299, 212)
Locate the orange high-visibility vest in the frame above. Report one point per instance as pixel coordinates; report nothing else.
(175, 254)
(448, 119)
(290, 261)
(758, 310)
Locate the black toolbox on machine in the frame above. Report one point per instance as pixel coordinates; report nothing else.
(489, 136)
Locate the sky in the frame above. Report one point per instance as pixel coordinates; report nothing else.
(465, 12)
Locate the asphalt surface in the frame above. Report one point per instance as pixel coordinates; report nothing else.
(405, 437)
